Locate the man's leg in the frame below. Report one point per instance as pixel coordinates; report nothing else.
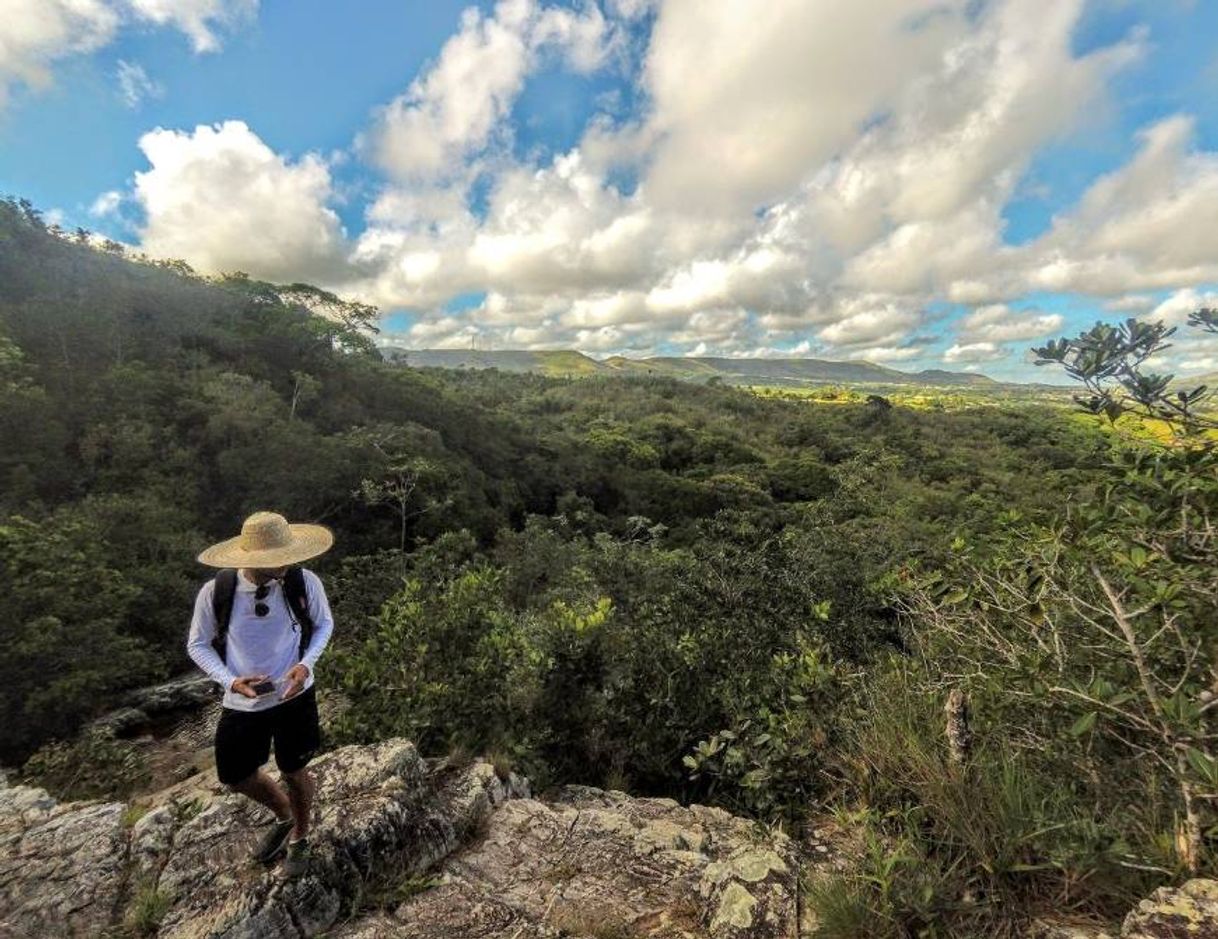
(262, 789)
(243, 743)
(297, 738)
(300, 793)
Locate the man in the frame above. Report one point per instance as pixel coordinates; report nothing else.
(267, 679)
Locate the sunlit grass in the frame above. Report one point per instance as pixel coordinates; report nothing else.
(915, 399)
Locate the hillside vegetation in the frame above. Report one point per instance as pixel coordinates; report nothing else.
(802, 371)
(631, 581)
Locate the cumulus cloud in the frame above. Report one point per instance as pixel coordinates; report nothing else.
(1175, 309)
(744, 105)
(992, 333)
(454, 109)
(777, 173)
(1134, 302)
(808, 180)
(38, 33)
(1191, 350)
(872, 324)
(999, 323)
(1152, 223)
(223, 200)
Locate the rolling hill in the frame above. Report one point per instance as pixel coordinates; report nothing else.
(796, 371)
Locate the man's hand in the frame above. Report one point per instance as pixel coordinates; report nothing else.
(297, 676)
(243, 685)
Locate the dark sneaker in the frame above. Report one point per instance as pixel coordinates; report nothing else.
(275, 841)
(297, 861)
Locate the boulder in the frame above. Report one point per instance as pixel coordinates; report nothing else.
(185, 692)
(61, 866)
(80, 869)
(592, 863)
(1189, 911)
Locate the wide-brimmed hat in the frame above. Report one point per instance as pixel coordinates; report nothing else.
(268, 540)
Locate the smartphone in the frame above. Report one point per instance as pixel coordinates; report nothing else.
(263, 687)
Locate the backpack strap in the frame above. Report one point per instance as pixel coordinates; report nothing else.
(297, 595)
(222, 606)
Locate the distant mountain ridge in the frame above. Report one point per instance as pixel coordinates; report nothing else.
(794, 371)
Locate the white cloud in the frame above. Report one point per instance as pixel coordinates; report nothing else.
(107, 204)
(583, 38)
(198, 19)
(871, 323)
(134, 85)
(1134, 302)
(1175, 309)
(886, 353)
(452, 111)
(974, 352)
(883, 149)
(999, 323)
(1152, 223)
(632, 9)
(36, 33)
(812, 178)
(223, 200)
(744, 105)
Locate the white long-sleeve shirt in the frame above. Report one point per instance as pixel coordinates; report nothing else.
(258, 645)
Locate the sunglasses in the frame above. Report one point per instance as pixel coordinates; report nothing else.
(260, 595)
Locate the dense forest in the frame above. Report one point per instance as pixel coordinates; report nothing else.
(638, 582)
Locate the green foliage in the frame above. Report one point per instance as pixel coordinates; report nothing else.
(1111, 361)
(133, 813)
(63, 631)
(1086, 644)
(770, 762)
(585, 657)
(684, 589)
(148, 907)
(978, 849)
(94, 765)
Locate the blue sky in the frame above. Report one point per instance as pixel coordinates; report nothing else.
(924, 183)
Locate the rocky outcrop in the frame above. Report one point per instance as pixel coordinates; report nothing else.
(1189, 911)
(402, 847)
(408, 848)
(61, 866)
(80, 869)
(594, 864)
(164, 704)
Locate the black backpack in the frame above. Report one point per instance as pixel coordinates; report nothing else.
(294, 592)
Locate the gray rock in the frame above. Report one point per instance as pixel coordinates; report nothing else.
(1189, 911)
(121, 721)
(75, 869)
(61, 866)
(378, 806)
(185, 692)
(596, 864)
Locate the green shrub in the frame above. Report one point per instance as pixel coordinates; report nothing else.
(147, 909)
(94, 765)
(974, 849)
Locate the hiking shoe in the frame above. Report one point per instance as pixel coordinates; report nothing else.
(275, 841)
(297, 861)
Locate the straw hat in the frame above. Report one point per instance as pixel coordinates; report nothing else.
(267, 540)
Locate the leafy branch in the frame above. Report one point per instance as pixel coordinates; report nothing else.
(1111, 361)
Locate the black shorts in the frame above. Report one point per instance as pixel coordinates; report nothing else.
(243, 738)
